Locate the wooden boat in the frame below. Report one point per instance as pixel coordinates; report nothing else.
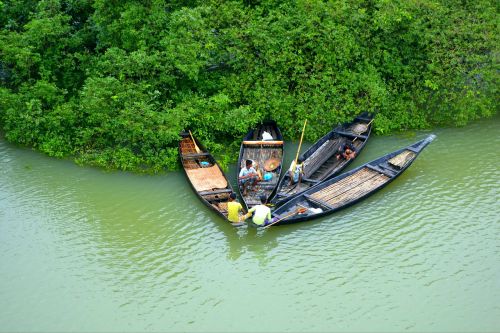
(347, 189)
(204, 174)
(268, 155)
(320, 161)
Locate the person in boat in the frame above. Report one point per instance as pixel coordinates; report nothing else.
(234, 208)
(346, 151)
(261, 213)
(266, 136)
(255, 165)
(296, 171)
(247, 176)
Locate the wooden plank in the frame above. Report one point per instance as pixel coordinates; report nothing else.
(195, 155)
(317, 202)
(205, 179)
(413, 149)
(324, 153)
(226, 190)
(359, 191)
(364, 119)
(270, 143)
(388, 173)
(333, 194)
(352, 180)
(309, 180)
(352, 135)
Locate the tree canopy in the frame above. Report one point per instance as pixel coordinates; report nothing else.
(112, 83)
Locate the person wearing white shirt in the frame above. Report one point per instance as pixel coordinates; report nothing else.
(247, 175)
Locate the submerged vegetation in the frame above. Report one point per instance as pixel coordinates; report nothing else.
(111, 83)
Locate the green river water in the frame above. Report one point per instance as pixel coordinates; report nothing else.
(82, 249)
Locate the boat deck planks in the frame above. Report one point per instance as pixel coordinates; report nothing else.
(207, 178)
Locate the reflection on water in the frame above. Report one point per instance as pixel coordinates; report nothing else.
(88, 250)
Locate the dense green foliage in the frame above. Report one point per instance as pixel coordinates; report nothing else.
(111, 83)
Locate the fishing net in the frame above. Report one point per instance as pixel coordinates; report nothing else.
(358, 129)
(402, 159)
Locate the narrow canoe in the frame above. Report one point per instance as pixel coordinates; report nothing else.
(204, 174)
(349, 188)
(268, 154)
(320, 161)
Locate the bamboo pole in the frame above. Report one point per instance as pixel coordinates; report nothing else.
(300, 143)
(297, 211)
(195, 145)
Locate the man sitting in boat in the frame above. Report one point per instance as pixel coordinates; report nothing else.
(247, 175)
(234, 208)
(296, 171)
(261, 213)
(346, 151)
(255, 165)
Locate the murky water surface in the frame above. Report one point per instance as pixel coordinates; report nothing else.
(86, 250)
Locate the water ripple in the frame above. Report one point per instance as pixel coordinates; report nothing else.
(114, 250)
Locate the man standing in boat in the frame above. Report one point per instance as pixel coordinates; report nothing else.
(247, 175)
(296, 171)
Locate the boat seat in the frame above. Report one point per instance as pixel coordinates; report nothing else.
(309, 180)
(195, 155)
(389, 167)
(267, 186)
(350, 134)
(388, 173)
(416, 151)
(258, 143)
(364, 119)
(225, 190)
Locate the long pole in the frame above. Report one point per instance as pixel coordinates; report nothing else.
(195, 145)
(297, 211)
(300, 143)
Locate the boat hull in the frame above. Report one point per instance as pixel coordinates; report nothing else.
(351, 187)
(204, 174)
(268, 155)
(320, 161)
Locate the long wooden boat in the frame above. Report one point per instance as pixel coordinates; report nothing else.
(204, 174)
(320, 161)
(350, 187)
(268, 155)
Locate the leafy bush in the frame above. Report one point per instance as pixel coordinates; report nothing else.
(111, 83)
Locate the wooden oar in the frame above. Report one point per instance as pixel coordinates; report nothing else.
(298, 211)
(195, 145)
